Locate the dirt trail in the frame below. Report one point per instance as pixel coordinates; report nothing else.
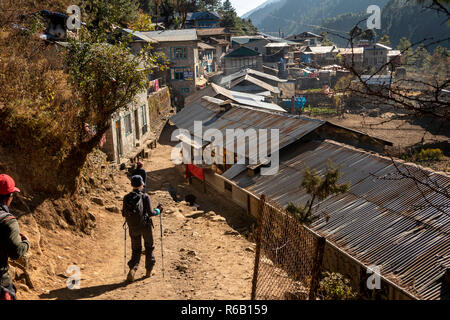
(204, 257)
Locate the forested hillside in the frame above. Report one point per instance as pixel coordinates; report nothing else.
(296, 16)
(399, 18)
(262, 11)
(396, 18)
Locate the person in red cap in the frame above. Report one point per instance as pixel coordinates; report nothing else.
(140, 171)
(13, 244)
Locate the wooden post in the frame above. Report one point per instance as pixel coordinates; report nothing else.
(258, 246)
(315, 276)
(293, 105)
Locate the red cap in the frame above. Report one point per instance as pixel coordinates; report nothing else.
(7, 185)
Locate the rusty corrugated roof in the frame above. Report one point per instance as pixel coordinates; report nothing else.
(291, 128)
(383, 220)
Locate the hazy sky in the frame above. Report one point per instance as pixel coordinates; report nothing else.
(243, 6)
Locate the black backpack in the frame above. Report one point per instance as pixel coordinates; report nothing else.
(133, 209)
(5, 216)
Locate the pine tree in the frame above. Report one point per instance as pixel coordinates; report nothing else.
(385, 40)
(319, 188)
(422, 58)
(229, 15)
(407, 52)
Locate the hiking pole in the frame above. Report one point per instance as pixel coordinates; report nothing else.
(160, 209)
(125, 248)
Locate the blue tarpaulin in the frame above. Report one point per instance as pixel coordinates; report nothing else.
(299, 103)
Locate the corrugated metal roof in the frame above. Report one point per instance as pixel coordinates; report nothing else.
(247, 99)
(257, 82)
(277, 45)
(172, 35)
(291, 128)
(322, 49)
(356, 50)
(242, 52)
(190, 16)
(382, 220)
(235, 170)
(265, 75)
(205, 46)
(227, 80)
(212, 31)
(140, 36)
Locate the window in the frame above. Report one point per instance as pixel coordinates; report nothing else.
(144, 119)
(179, 53)
(178, 74)
(127, 120)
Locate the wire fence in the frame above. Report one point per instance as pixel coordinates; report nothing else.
(288, 257)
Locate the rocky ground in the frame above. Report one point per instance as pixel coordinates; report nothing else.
(206, 253)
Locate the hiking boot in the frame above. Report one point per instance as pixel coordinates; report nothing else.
(130, 276)
(148, 273)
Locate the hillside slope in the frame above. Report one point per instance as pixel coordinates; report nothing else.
(396, 21)
(296, 16)
(399, 18)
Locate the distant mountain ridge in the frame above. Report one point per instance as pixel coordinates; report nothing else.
(258, 14)
(295, 16)
(399, 18)
(261, 6)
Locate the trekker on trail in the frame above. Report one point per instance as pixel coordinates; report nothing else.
(137, 210)
(13, 244)
(140, 171)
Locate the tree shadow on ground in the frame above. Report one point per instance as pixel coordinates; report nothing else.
(208, 199)
(166, 134)
(84, 293)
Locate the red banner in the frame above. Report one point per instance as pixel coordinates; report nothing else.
(194, 171)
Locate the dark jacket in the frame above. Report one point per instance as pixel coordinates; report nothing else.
(11, 244)
(135, 220)
(141, 172)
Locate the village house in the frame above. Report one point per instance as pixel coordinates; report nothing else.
(181, 48)
(133, 130)
(276, 51)
(306, 39)
(319, 55)
(258, 45)
(241, 58)
(202, 20)
(351, 57)
(376, 56)
(206, 57)
(220, 39)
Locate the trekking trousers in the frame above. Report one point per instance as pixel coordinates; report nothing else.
(136, 235)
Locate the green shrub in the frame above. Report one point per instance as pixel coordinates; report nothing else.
(430, 155)
(335, 287)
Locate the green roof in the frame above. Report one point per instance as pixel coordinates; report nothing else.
(242, 52)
